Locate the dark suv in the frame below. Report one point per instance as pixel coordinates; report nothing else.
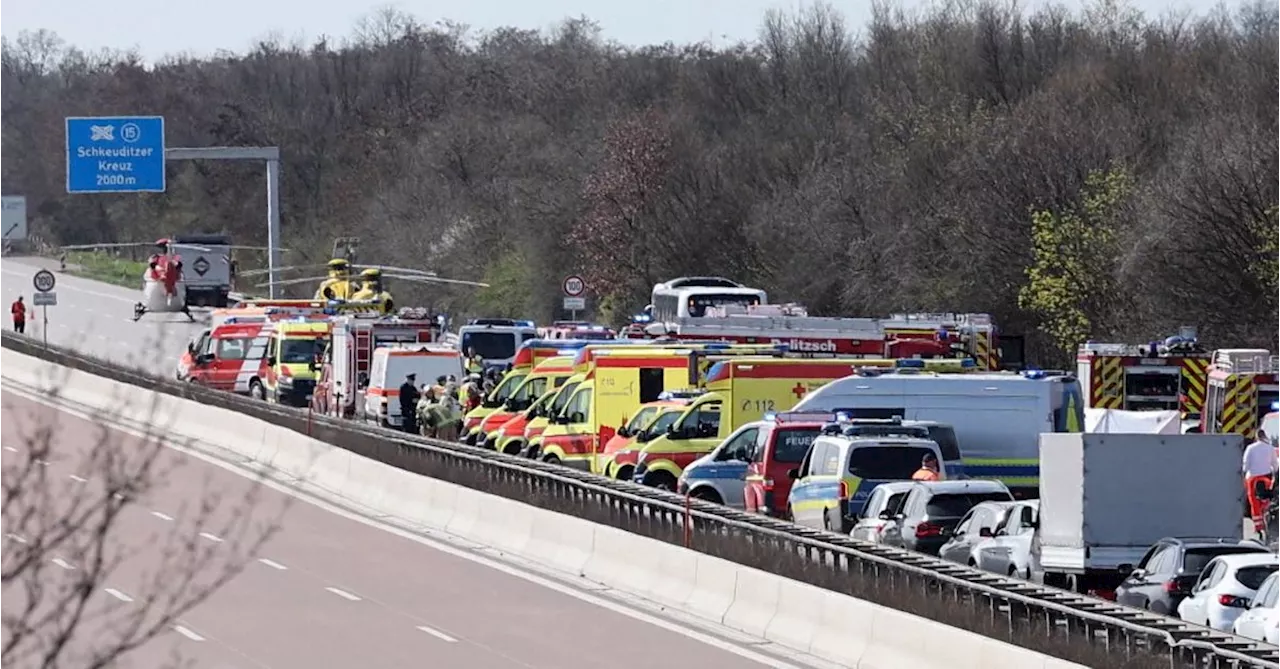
(1170, 568)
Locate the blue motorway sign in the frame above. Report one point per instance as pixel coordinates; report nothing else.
(115, 154)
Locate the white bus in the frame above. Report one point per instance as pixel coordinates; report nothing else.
(690, 296)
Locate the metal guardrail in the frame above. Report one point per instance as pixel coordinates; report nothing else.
(1066, 625)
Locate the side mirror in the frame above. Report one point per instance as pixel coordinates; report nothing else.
(1127, 570)
(793, 474)
(313, 366)
(204, 358)
(623, 432)
(985, 532)
(191, 347)
(271, 361)
(577, 418)
(885, 515)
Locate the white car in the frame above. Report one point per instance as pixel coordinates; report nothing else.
(1260, 621)
(1225, 589)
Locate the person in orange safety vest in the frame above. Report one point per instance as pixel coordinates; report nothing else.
(1258, 463)
(928, 469)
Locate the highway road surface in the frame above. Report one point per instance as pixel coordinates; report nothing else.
(97, 318)
(330, 589)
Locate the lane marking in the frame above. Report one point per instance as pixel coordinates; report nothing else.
(63, 563)
(709, 635)
(42, 463)
(187, 633)
(437, 634)
(343, 594)
(273, 564)
(11, 449)
(118, 595)
(16, 537)
(161, 516)
(79, 479)
(212, 537)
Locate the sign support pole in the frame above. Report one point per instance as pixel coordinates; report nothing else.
(268, 154)
(44, 329)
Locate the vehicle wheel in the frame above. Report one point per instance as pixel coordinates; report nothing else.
(513, 448)
(256, 390)
(707, 494)
(625, 472)
(972, 564)
(661, 481)
(551, 459)
(1072, 584)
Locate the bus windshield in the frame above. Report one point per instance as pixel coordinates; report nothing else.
(698, 304)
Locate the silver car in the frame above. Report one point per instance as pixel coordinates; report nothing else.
(974, 530)
(720, 476)
(1008, 552)
(876, 520)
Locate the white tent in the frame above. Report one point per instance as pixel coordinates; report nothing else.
(1119, 421)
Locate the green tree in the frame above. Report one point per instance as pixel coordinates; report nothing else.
(1266, 266)
(508, 294)
(1071, 284)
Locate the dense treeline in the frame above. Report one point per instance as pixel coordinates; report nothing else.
(1094, 174)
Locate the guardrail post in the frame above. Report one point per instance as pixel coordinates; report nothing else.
(688, 524)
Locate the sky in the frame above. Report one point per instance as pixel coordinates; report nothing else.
(160, 27)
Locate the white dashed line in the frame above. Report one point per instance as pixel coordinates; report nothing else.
(11, 449)
(272, 563)
(79, 479)
(16, 537)
(187, 633)
(62, 563)
(42, 463)
(343, 594)
(161, 516)
(437, 634)
(118, 595)
(212, 537)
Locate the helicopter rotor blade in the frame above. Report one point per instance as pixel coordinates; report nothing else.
(255, 248)
(290, 268)
(291, 282)
(392, 268)
(435, 280)
(104, 245)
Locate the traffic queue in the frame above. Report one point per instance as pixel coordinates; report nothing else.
(915, 430)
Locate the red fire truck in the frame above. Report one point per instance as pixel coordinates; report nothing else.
(346, 361)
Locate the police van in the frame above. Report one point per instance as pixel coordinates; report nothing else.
(997, 417)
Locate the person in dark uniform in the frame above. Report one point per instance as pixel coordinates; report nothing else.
(409, 404)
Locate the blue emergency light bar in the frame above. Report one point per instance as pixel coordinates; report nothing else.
(1275, 406)
(801, 416)
(688, 394)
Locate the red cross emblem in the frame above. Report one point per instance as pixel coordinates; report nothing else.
(799, 390)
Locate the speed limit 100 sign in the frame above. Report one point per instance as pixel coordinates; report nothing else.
(574, 286)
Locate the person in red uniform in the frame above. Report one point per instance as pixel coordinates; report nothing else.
(19, 313)
(928, 469)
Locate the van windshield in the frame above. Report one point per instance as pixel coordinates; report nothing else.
(296, 351)
(506, 386)
(530, 389)
(490, 345)
(659, 426)
(563, 398)
(886, 463)
(644, 415)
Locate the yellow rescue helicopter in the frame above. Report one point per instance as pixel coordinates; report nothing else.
(354, 283)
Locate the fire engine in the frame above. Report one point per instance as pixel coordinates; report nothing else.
(940, 335)
(346, 362)
(1242, 389)
(1167, 375)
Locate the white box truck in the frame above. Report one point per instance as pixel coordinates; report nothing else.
(1106, 498)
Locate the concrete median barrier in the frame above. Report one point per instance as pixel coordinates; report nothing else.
(825, 624)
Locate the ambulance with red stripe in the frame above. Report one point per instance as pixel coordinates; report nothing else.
(528, 356)
(391, 367)
(615, 381)
(743, 390)
(230, 357)
(546, 375)
(929, 335)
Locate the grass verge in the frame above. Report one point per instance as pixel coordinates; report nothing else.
(105, 267)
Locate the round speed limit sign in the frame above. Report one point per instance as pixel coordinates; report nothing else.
(574, 286)
(44, 281)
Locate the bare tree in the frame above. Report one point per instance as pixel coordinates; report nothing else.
(86, 579)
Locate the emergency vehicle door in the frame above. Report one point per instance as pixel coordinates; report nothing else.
(577, 421)
(198, 346)
(229, 357)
